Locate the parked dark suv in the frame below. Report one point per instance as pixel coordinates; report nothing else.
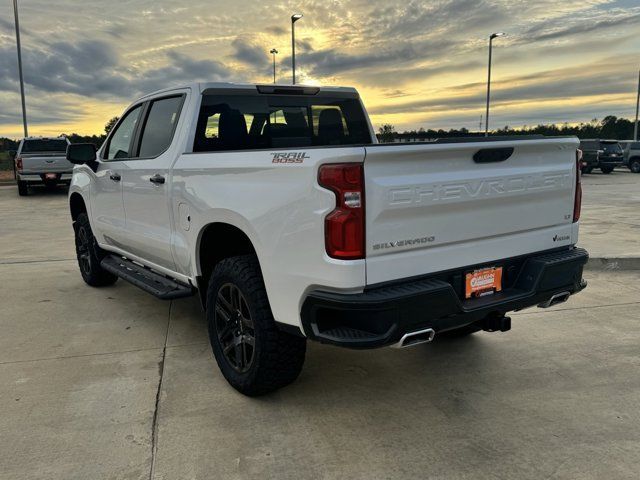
(603, 154)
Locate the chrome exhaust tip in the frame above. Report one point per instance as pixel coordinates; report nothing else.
(415, 338)
(555, 300)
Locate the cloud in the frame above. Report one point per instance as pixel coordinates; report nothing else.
(413, 60)
(249, 53)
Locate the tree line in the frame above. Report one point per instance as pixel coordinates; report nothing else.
(610, 127)
(12, 143)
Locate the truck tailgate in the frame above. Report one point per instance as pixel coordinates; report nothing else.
(43, 163)
(433, 207)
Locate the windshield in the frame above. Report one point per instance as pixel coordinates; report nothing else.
(611, 147)
(240, 122)
(44, 145)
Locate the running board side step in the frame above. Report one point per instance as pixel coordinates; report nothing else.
(151, 282)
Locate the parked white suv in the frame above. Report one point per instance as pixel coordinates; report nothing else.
(277, 206)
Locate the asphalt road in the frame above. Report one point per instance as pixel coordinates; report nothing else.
(113, 384)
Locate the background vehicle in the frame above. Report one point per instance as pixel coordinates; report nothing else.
(603, 154)
(631, 157)
(276, 204)
(40, 160)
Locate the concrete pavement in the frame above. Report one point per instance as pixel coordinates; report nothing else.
(610, 222)
(113, 384)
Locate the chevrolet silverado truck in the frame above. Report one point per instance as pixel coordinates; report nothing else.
(276, 205)
(43, 161)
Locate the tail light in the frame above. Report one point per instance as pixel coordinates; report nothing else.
(18, 162)
(344, 226)
(577, 203)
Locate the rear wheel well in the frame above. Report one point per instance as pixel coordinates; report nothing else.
(77, 206)
(217, 242)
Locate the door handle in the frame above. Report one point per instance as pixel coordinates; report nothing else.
(157, 179)
(115, 177)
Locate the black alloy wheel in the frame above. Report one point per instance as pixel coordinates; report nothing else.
(235, 328)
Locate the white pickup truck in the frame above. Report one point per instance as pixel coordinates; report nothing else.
(43, 161)
(278, 206)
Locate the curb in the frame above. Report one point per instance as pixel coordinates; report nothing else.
(608, 264)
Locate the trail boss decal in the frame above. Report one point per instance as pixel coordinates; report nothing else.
(289, 157)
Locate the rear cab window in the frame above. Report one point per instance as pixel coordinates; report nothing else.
(257, 121)
(44, 145)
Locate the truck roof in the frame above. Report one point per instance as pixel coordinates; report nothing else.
(31, 137)
(202, 86)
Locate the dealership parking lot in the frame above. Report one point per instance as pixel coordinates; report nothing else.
(112, 383)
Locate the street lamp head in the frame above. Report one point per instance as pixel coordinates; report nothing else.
(497, 34)
(274, 51)
(295, 17)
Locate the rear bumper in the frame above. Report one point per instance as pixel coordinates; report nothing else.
(610, 161)
(381, 315)
(39, 177)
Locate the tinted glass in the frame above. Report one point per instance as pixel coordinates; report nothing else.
(586, 145)
(635, 146)
(120, 141)
(240, 122)
(44, 145)
(611, 147)
(159, 127)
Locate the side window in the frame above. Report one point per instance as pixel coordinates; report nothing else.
(120, 141)
(159, 126)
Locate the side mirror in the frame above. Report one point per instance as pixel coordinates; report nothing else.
(81, 153)
(12, 154)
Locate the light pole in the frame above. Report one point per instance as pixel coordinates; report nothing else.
(24, 109)
(274, 52)
(635, 125)
(486, 117)
(294, 18)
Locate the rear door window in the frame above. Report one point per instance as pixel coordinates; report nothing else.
(159, 126)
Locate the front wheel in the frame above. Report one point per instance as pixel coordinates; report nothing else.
(634, 165)
(606, 170)
(587, 170)
(254, 356)
(90, 255)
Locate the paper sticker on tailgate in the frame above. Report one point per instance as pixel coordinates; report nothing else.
(482, 282)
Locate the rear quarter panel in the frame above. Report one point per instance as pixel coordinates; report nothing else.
(279, 206)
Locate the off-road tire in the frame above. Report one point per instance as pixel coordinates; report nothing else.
(277, 356)
(90, 255)
(606, 170)
(634, 165)
(23, 188)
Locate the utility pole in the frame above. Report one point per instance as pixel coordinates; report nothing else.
(274, 52)
(294, 18)
(24, 108)
(486, 117)
(635, 125)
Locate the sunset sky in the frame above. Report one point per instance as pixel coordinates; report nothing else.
(415, 63)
